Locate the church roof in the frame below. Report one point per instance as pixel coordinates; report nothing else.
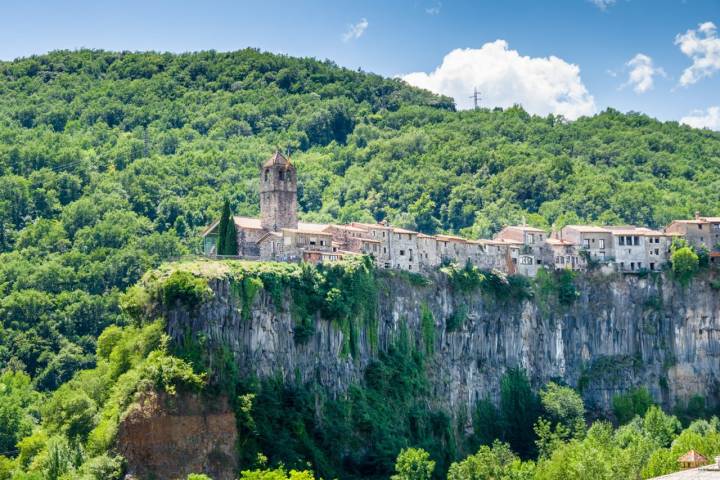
(277, 159)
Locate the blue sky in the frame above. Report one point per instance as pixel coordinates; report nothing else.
(505, 47)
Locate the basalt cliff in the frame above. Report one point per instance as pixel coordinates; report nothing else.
(603, 334)
(618, 332)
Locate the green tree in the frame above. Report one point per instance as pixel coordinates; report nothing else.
(496, 462)
(629, 404)
(16, 398)
(520, 410)
(223, 227)
(685, 263)
(564, 406)
(413, 464)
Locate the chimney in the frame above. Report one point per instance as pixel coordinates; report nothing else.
(697, 215)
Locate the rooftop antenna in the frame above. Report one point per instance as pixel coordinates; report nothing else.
(476, 97)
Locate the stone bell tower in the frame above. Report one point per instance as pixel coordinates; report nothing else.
(278, 194)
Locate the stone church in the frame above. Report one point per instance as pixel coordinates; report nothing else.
(277, 234)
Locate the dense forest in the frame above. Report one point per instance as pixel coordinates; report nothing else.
(111, 163)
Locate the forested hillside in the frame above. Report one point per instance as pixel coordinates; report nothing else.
(112, 162)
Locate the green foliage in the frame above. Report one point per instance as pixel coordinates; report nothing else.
(519, 407)
(413, 464)
(685, 263)
(455, 321)
(186, 288)
(491, 463)
(343, 292)
(564, 406)
(226, 233)
(427, 324)
(492, 283)
(16, 398)
(80, 419)
(627, 405)
(272, 474)
(558, 283)
(357, 435)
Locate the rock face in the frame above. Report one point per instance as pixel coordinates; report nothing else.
(619, 333)
(170, 436)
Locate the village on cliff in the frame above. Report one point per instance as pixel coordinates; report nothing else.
(520, 249)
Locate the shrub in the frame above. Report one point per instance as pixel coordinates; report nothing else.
(413, 464)
(630, 404)
(185, 288)
(457, 319)
(685, 263)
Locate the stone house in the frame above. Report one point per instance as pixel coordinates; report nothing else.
(428, 251)
(639, 248)
(403, 248)
(564, 254)
(495, 255)
(452, 249)
(379, 232)
(595, 242)
(526, 245)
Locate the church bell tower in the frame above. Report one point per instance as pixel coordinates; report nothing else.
(278, 193)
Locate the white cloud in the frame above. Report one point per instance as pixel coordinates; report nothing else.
(703, 47)
(603, 4)
(709, 118)
(355, 31)
(434, 10)
(642, 73)
(504, 78)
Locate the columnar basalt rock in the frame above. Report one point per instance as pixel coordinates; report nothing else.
(621, 332)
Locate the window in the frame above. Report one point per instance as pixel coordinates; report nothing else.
(622, 265)
(632, 266)
(409, 267)
(383, 234)
(281, 175)
(402, 253)
(266, 174)
(652, 266)
(384, 249)
(636, 240)
(639, 265)
(322, 243)
(601, 244)
(622, 240)
(699, 226)
(531, 238)
(657, 251)
(586, 243)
